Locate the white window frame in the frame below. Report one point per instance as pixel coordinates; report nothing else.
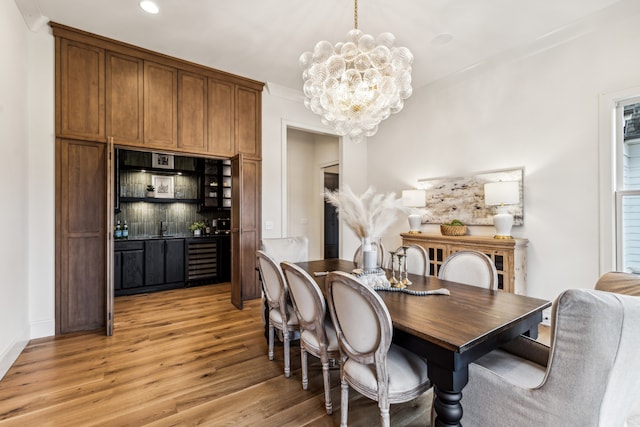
(610, 245)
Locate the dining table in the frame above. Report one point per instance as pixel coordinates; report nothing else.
(450, 331)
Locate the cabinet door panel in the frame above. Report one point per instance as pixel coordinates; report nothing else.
(192, 112)
(132, 269)
(221, 114)
(153, 262)
(80, 235)
(125, 90)
(248, 106)
(160, 105)
(174, 261)
(80, 89)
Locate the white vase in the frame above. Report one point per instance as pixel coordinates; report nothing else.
(197, 232)
(370, 247)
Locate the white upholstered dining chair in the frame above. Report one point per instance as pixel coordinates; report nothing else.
(417, 259)
(317, 335)
(471, 268)
(370, 363)
(589, 376)
(357, 255)
(292, 249)
(281, 314)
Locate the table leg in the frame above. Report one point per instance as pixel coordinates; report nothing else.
(448, 407)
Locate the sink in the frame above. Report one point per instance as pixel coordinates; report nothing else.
(164, 236)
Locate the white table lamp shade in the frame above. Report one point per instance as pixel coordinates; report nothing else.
(501, 194)
(414, 199)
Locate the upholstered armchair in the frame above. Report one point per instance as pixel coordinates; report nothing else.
(620, 283)
(589, 376)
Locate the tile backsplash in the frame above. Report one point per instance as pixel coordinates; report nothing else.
(144, 218)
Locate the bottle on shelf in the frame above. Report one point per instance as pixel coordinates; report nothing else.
(118, 233)
(207, 227)
(125, 230)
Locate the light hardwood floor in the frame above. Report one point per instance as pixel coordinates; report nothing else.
(179, 358)
(182, 357)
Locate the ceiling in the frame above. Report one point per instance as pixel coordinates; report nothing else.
(263, 39)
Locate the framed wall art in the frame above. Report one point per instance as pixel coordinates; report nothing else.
(164, 186)
(162, 160)
(462, 198)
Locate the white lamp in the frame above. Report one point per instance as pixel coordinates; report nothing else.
(414, 199)
(501, 194)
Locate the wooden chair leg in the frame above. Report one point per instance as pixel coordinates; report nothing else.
(305, 373)
(384, 417)
(344, 402)
(271, 338)
(327, 387)
(287, 361)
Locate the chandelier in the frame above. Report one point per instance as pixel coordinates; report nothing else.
(356, 84)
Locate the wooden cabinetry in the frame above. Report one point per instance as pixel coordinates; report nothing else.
(106, 88)
(124, 97)
(109, 89)
(220, 107)
(128, 265)
(160, 105)
(164, 261)
(508, 255)
(216, 184)
(248, 127)
(80, 90)
(192, 112)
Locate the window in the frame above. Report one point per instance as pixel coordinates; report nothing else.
(627, 186)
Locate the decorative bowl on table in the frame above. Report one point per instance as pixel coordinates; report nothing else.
(453, 228)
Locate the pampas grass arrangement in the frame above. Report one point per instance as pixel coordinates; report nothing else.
(368, 214)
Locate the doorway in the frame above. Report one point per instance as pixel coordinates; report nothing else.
(331, 225)
(308, 155)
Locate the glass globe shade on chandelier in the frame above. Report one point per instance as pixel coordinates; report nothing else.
(356, 84)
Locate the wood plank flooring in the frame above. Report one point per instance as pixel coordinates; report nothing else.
(177, 358)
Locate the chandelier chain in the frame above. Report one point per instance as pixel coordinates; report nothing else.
(355, 14)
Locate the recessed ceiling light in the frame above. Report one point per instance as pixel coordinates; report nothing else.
(149, 6)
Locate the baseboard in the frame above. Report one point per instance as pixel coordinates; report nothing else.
(9, 356)
(43, 328)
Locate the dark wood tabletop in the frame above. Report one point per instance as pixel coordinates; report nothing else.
(450, 331)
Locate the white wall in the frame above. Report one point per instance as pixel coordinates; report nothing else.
(538, 111)
(14, 291)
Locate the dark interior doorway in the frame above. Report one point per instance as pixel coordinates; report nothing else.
(331, 230)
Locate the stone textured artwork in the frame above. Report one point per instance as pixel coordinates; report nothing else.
(462, 198)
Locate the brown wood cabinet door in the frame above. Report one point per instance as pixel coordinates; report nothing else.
(245, 222)
(124, 94)
(192, 112)
(236, 231)
(79, 90)
(221, 118)
(248, 121)
(160, 106)
(81, 196)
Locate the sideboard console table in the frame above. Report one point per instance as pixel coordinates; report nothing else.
(508, 255)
